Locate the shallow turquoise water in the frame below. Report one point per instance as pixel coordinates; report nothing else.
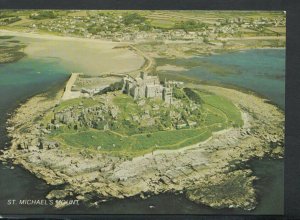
(260, 70)
(30, 71)
(18, 82)
(21, 80)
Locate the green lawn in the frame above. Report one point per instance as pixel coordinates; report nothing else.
(217, 113)
(222, 106)
(133, 145)
(86, 102)
(126, 105)
(162, 23)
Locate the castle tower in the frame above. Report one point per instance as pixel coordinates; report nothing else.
(167, 95)
(143, 75)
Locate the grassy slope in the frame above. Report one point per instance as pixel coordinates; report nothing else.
(224, 106)
(218, 114)
(134, 145)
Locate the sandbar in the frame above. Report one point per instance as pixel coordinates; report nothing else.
(89, 56)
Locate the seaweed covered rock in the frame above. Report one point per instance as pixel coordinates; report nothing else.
(233, 190)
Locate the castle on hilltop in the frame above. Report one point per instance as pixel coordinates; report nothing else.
(146, 86)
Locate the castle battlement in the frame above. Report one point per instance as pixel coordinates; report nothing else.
(146, 86)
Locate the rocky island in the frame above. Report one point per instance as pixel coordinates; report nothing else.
(117, 145)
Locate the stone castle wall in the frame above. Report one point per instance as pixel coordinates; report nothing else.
(146, 87)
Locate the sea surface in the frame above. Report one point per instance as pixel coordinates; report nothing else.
(259, 70)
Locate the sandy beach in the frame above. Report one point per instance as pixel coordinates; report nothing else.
(171, 68)
(89, 56)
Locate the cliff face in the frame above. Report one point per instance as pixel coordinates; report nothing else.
(209, 172)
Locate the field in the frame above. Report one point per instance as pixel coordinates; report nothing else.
(161, 19)
(217, 113)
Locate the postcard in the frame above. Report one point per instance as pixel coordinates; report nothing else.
(142, 112)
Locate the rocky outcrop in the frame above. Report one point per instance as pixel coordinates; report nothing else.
(230, 190)
(79, 116)
(208, 172)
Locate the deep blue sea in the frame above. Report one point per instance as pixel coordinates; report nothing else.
(259, 70)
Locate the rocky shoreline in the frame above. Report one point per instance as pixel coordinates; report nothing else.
(207, 173)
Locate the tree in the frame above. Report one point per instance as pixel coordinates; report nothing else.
(133, 18)
(193, 95)
(43, 15)
(145, 27)
(190, 25)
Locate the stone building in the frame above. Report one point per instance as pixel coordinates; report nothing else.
(146, 86)
(167, 94)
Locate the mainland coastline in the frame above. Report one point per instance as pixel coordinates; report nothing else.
(253, 140)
